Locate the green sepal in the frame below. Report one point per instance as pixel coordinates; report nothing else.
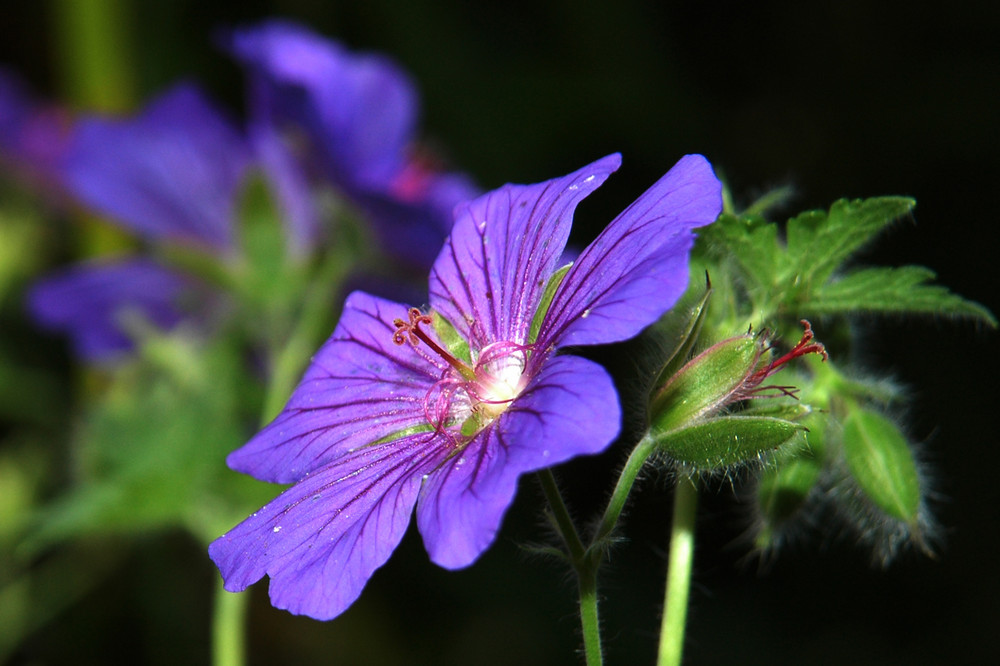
(405, 432)
(449, 336)
(680, 328)
(882, 464)
(783, 487)
(725, 441)
(705, 383)
(546, 302)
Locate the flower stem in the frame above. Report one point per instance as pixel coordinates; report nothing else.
(678, 574)
(585, 565)
(590, 621)
(619, 496)
(228, 634)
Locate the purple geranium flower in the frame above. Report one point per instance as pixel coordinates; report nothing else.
(173, 172)
(93, 301)
(358, 113)
(444, 410)
(33, 136)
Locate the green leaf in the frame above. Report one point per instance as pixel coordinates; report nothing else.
(751, 241)
(726, 441)
(892, 290)
(881, 462)
(819, 242)
(153, 450)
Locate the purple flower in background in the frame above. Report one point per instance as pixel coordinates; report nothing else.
(93, 302)
(358, 114)
(33, 137)
(445, 410)
(171, 173)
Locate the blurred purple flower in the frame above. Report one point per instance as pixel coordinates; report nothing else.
(358, 113)
(171, 173)
(444, 411)
(33, 137)
(94, 301)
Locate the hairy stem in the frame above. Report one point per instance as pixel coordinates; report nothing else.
(584, 564)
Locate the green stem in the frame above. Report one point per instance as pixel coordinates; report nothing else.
(584, 564)
(678, 574)
(619, 496)
(228, 633)
(590, 621)
(564, 523)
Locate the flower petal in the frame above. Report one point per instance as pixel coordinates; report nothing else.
(321, 540)
(490, 275)
(360, 108)
(360, 388)
(638, 267)
(463, 502)
(33, 137)
(172, 171)
(91, 301)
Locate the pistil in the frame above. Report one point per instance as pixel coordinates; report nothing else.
(410, 331)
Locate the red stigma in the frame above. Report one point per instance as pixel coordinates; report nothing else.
(410, 331)
(804, 346)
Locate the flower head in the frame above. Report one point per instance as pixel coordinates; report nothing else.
(443, 410)
(33, 136)
(173, 171)
(353, 117)
(93, 301)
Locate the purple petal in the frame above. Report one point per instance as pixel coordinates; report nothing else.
(33, 137)
(571, 408)
(492, 271)
(360, 108)
(412, 229)
(321, 540)
(638, 267)
(172, 171)
(291, 185)
(91, 302)
(360, 388)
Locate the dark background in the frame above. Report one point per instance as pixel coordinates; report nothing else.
(851, 99)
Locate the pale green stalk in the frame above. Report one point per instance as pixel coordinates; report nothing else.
(681, 556)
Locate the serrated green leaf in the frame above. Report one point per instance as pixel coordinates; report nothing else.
(892, 290)
(751, 241)
(819, 242)
(881, 462)
(725, 441)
